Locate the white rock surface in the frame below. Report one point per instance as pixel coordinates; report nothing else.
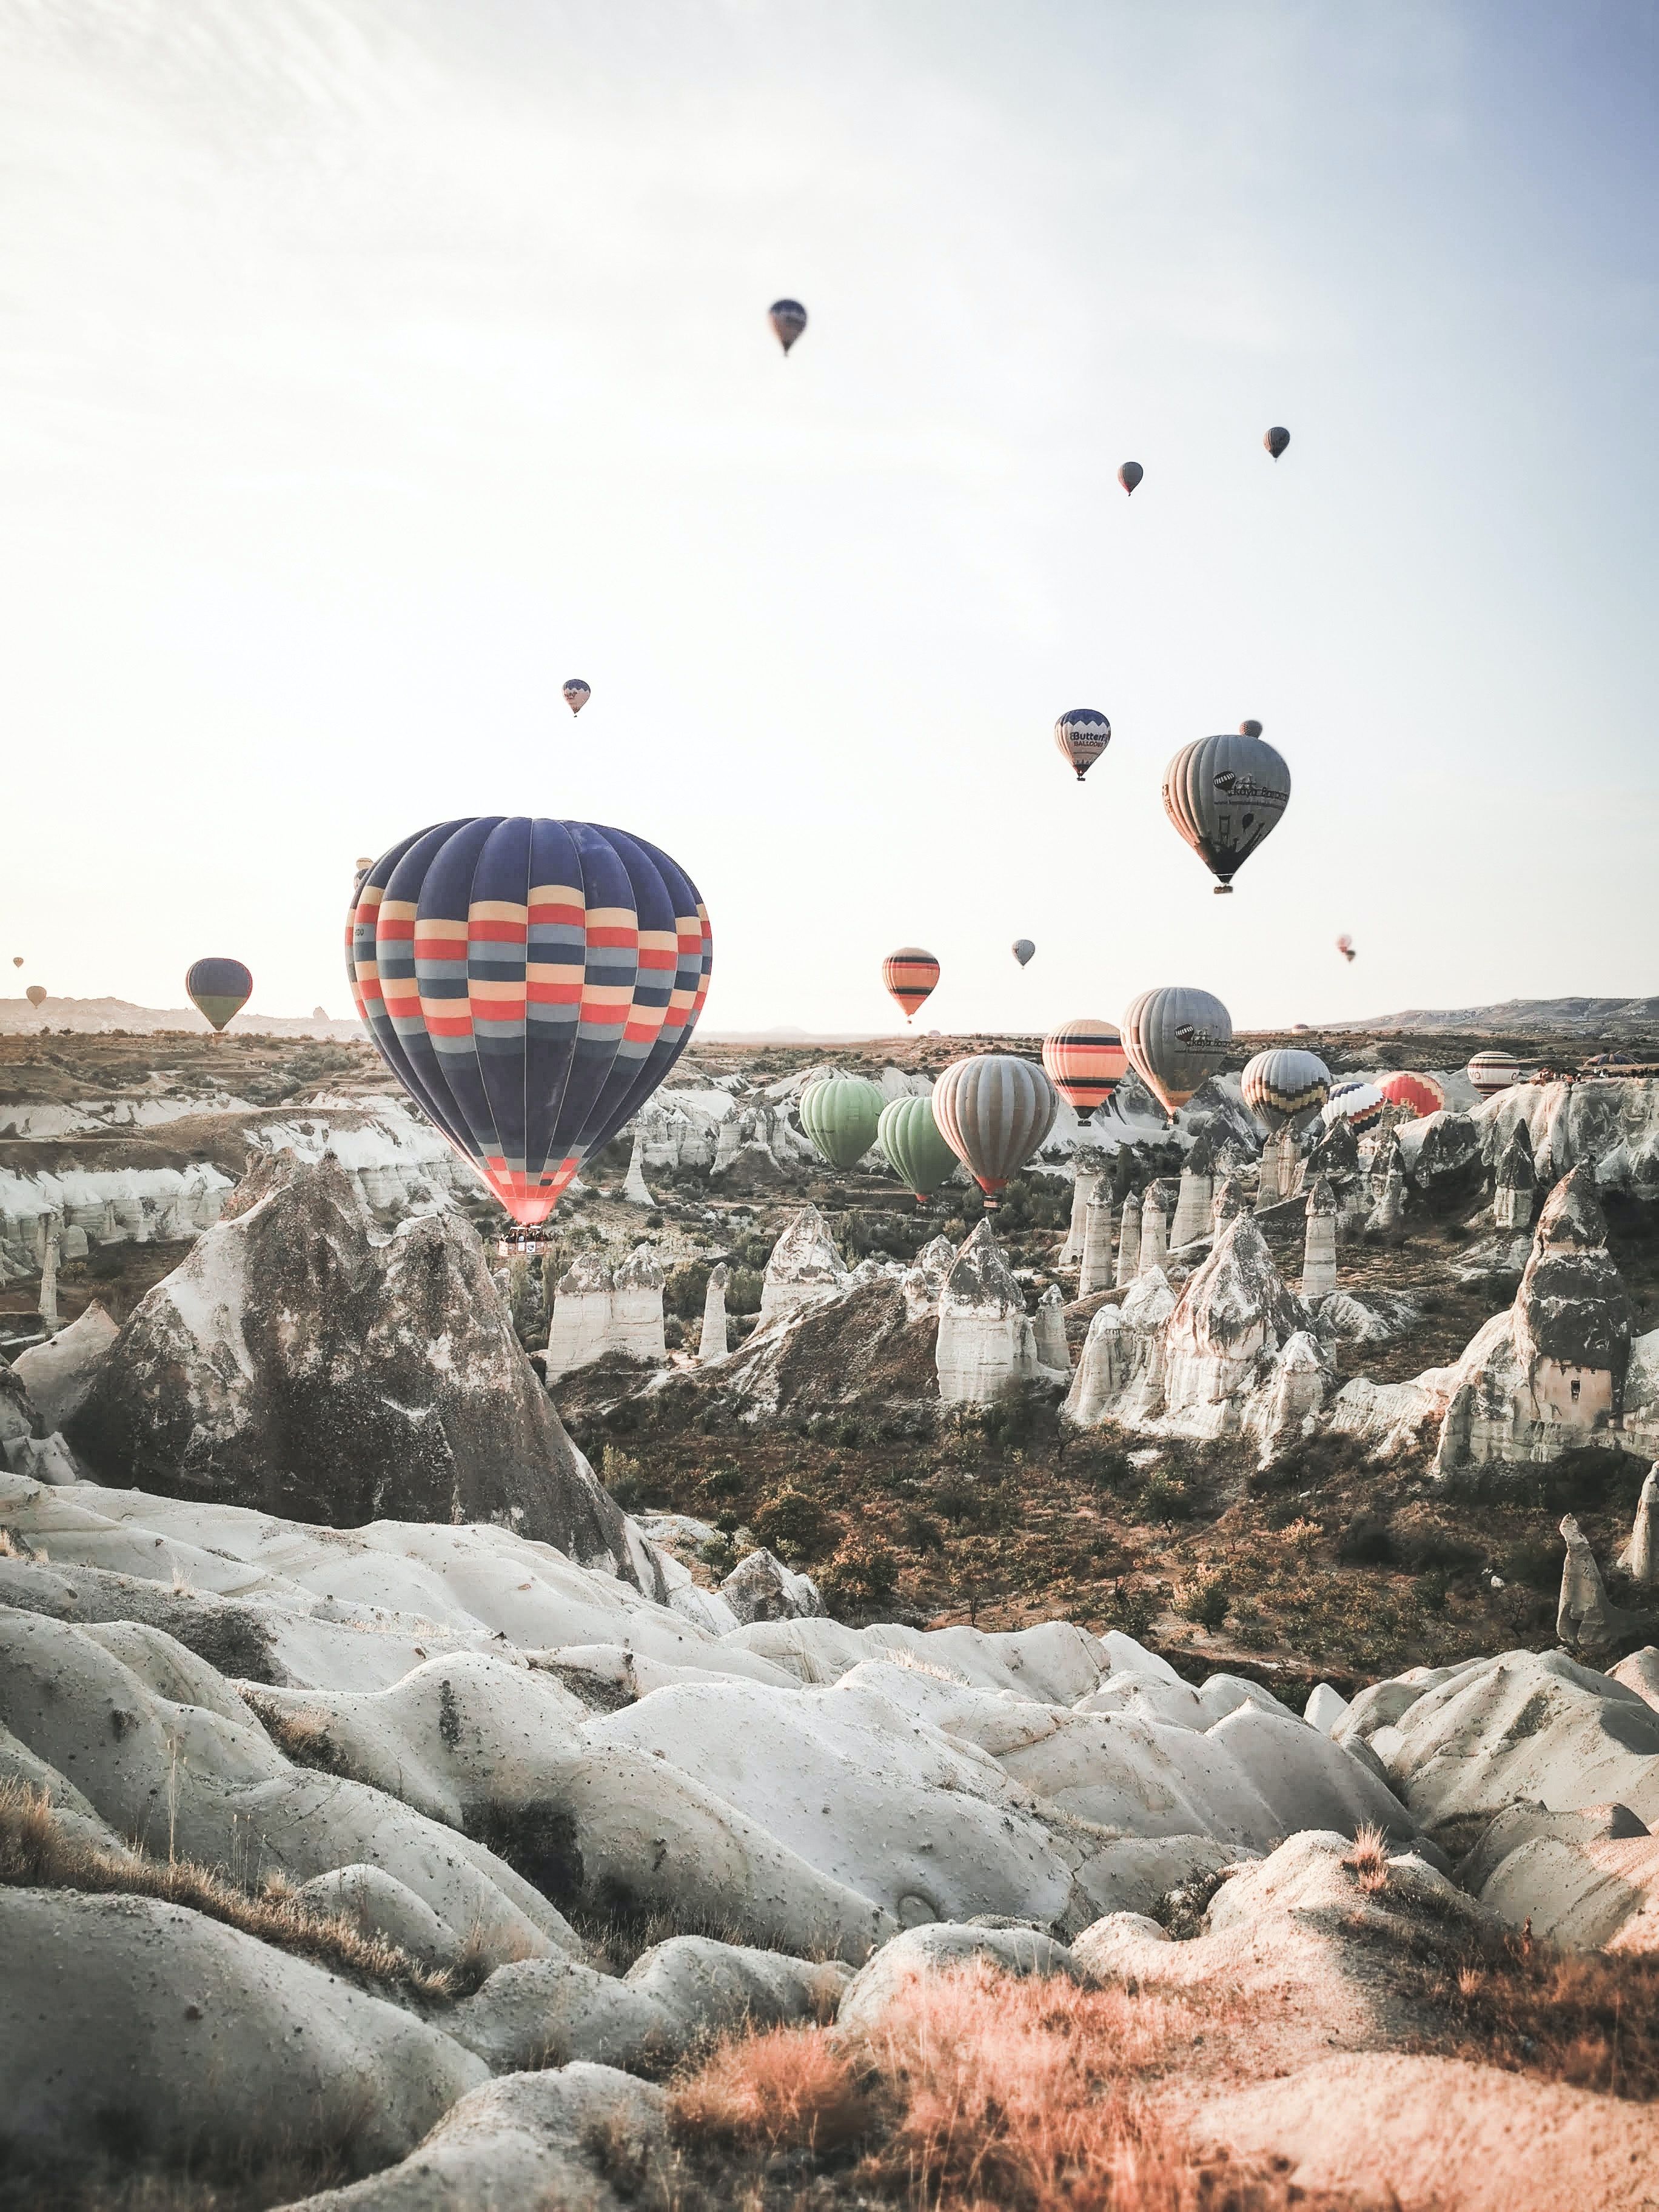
(987, 1344)
(805, 1268)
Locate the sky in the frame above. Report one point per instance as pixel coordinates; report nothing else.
(369, 366)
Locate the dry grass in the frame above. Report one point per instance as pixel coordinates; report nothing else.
(303, 1736)
(1589, 2019)
(1368, 1862)
(37, 1852)
(9, 1548)
(976, 2090)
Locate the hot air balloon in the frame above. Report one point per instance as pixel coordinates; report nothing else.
(1174, 1038)
(1085, 1062)
(1082, 734)
(1418, 1096)
(1355, 1101)
(789, 319)
(36, 994)
(1023, 949)
(994, 1111)
(839, 1113)
(1224, 795)
(909, 974)
(1275, 440)
(17, 959)
(913, 1147)
(1285, 1088)
(1493, 1072)
(577, 694)
(1130, 474)
(1345, 947)
(530, 983)
(218, 989)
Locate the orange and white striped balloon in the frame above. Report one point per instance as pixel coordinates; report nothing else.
(1085, 1062)
(909, 974)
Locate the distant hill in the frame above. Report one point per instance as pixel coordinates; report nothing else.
(1589, 1018)
(98, 1017)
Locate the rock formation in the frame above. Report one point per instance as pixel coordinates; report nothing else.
(636, 1314)
(58, 1373)
(47, 1303)
(634, 1189)
(1193, 1205)
(1232, 1316)
(1585, 1619)
(1154, 1244)
(1228, 1202)
(1096, 1272)
(294, 1362)
(987, 1344)
(1441, 1153)
(761, 1588)
(1128, 1242)
(1293, 1395)
(1612, 1127)
(1120, 1376)
(1386, 1222)
(803, 1269)
(1277, 1170)
(714, 1342)
(1551, 1372)
(1085, 1188)
(1516, 1181)
(1052, 1350)
(1319, 1252)
(1640, 1556)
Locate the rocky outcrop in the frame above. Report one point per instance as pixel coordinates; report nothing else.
(636, 1314)
(1440, 1153)
(103, 1207)
(1228, 1202)
(1233, 1316)
(635, 1190)
(296, 1363)
(1192, 1202)
(761, 1588)
(1096, 1270)
(1319, 1252)
(1086, 1186)
(805, 1268)
(1516, 1180)
(1120, 1376)
(1052, 1350)
(1551, 1373)
(713, 1343)
(1128, 1242)
(1611, 1127)
(987, 1345)
(580, 1332)
(58, 1373)
(1585, 1618)
(1154, 1241)
(1386, 1222)
(1640, 1556)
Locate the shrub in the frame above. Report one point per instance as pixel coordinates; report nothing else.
(1164, 1497)
(623, 1477)
(1204, 1601)
(1366, 1541)
(864, 1572)
(1130, 1610)
(743, 1286)
(793, 1524)
(684, 1288)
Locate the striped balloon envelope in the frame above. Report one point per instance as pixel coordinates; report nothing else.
(1419, 1095)
(530, 983)
(909, 974)
(1356, 1102)
(576, 693)
(1285, 1089)
(218, 989)
(1493, 1072)
(994, 1111)
(1085, 1062)
(1224, 795)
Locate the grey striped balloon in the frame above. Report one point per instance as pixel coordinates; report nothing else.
(994, 1111)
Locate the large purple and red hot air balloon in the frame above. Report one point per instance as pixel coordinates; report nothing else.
(530, 983)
